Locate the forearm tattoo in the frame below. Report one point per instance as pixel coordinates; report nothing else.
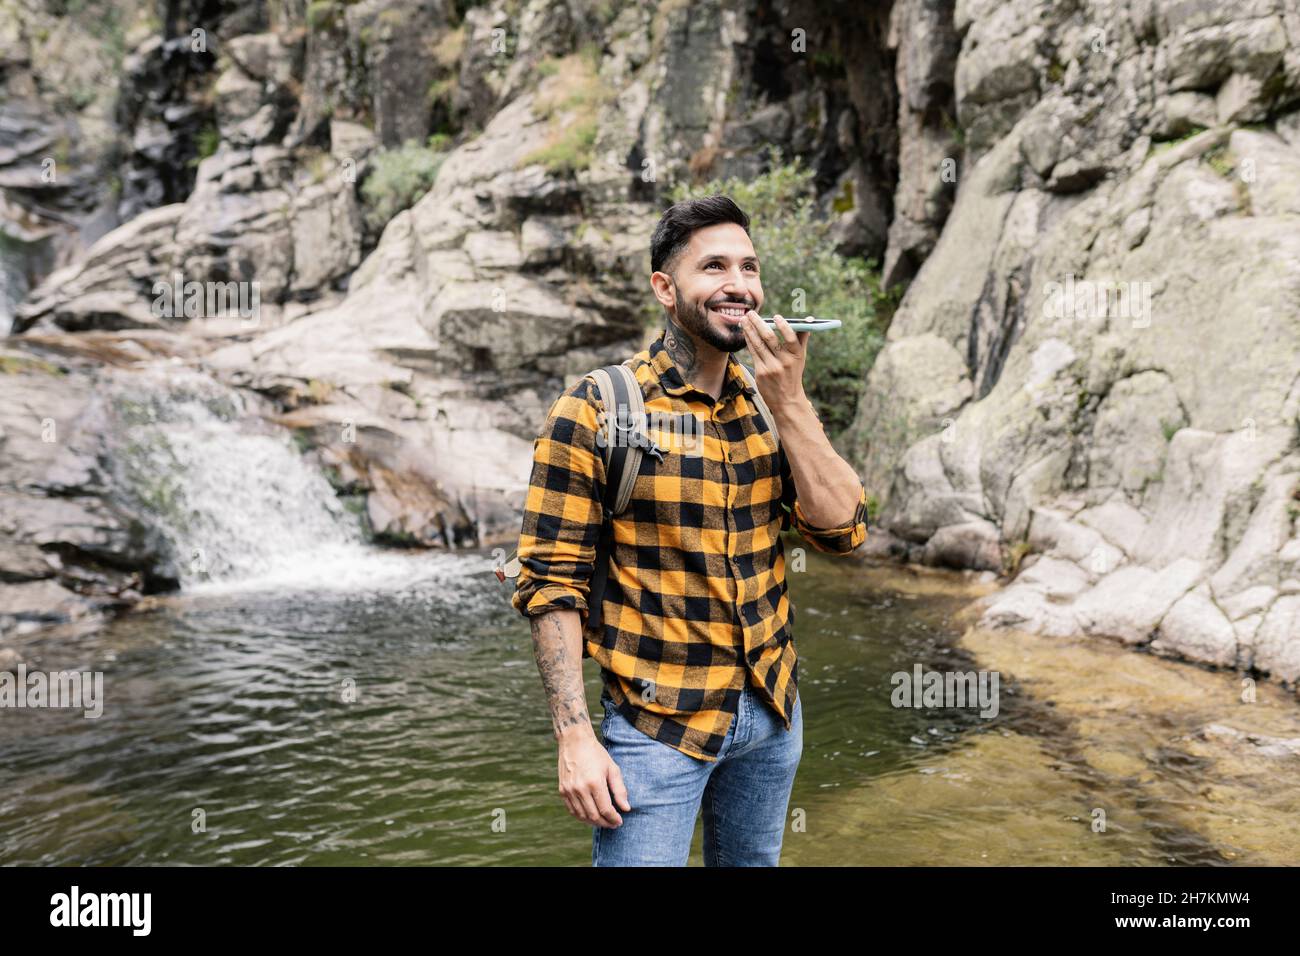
(561, 676)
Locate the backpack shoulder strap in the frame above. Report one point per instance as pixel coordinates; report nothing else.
(762, 406)
(631, 390)
(619, 391)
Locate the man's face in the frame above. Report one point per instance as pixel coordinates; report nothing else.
(715, 282)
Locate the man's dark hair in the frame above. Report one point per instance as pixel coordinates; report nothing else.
(673, 233)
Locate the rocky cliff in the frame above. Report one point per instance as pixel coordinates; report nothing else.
(1094, 379)
(1091, 386)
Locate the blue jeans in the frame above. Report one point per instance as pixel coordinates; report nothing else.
(744, 793)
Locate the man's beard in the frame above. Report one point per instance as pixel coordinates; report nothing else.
(694, 318)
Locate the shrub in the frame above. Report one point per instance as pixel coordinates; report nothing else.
(397, 180)
(796, 252)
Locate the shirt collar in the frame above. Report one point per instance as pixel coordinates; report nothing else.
(672, 382)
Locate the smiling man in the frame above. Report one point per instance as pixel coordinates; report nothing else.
(695, 643)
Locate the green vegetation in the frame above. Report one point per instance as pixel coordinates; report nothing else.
(205, 144)
(302, 440)
(570, 101)
(1015, 555)
(12, 364)
(440, 91)
(569, 152)
(323, 14)
(318, 163)
(1220, 160)
(827, 63)
(399, 177)
(1159, 146)
(803, 275)
(954, 130)
(446, 53)
(447, 50)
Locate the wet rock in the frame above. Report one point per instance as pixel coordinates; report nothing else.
(1196, 627)
(1262, 745)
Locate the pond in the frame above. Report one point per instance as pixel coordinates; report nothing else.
(400, 720)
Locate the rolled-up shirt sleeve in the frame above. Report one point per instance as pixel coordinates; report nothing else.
(838, 540)
(562, 511)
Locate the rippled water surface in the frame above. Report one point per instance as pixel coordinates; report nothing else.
(229, 736)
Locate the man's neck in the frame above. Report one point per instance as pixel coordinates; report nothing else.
(701, 364)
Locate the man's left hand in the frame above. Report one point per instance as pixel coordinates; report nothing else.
(778, 364)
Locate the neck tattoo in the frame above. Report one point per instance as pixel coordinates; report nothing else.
(681, 347)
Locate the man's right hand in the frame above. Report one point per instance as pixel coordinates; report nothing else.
(588, 774)
(588, 777)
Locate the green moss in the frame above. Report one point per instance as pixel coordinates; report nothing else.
(323, 14)
(1159, 146)
(302, 440)
(1015, 555)
(828, 63)
(1220, 160)
(440, 90)
(206, 144)
(14, 364)
(954, 130)
(319, 164)
(844, 201)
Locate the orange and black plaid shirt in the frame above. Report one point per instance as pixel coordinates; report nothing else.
(695, 603)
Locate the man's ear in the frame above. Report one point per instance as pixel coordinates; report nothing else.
(662, 286)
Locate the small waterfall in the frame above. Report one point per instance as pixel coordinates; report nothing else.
(13, 284)
(231, 496)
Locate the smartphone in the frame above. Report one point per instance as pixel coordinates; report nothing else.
(806, 325)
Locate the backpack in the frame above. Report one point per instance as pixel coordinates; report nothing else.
(623, 464)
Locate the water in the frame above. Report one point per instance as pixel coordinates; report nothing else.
(229, 706)
(230, 496)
